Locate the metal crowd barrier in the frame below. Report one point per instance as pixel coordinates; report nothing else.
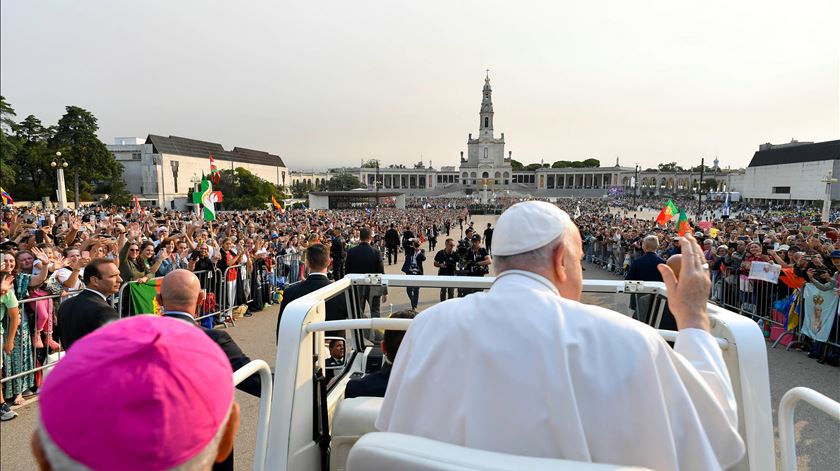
(40, 358)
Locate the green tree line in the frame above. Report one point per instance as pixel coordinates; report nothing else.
(28, 147)
(588, 163)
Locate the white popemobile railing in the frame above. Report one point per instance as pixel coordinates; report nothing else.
(293, 422)
(259, 367)
(787, 437)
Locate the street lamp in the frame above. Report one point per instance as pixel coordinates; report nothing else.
(636, 185)
(60, 165)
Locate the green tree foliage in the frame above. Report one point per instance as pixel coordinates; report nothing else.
(343, 182)
(532, 167)
(75, 137)
(8, 146)
(516, 165)
(372, 163)
(242, 190)
(588, 163)
(301, 189)
(34, 157)
(670, 167)
(709, 184)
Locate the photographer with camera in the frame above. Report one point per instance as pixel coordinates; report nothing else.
(446, 261)
(413, 265)
(476, 263)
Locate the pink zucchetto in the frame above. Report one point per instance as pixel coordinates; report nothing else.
(143, 393)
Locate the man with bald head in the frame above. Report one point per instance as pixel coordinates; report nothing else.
(541, 374)
(180, 297)
(645, 268)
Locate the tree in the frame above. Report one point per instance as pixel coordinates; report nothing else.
(34, 157)
(710, 184)
(242, 190)
(561, 164)
(591, 163)
(343, 182)
(372, 163)
(516, 165)
(669, 167)
(8, 146)
(300, 189)
(706, 169)
(532, 167)
(75, 137)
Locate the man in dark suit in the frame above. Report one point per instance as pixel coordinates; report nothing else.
(644, 269)
(364, 259)
(180, 297)
(392, 243)
(90, 310)
(374, 384)
(317, 260)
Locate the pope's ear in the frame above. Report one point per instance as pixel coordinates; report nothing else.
(559, 265)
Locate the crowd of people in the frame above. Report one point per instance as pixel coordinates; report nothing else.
(45, 253)
(49, 257)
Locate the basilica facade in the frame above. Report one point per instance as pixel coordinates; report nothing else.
(486, 164)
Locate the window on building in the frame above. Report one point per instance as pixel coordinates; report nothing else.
(486, 153)
(135, 156)
(486, 122)
(781, 190)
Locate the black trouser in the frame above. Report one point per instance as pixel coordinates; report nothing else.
(392, 250)
(339, 269)
(447, 293)
(432, 243)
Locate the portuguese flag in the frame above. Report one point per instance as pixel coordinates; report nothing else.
(667, 213)
(144, 297)
(682, 224)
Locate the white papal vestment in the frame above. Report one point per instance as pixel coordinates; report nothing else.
(520, 370)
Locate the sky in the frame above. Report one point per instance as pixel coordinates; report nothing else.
(329, 83)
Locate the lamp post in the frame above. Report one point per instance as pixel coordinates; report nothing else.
(700, 189)
(636, 185)
(60, 165)
(826, 209)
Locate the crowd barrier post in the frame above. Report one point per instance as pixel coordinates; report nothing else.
(38, 309)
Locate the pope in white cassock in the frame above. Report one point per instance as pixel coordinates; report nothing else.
(526, 369)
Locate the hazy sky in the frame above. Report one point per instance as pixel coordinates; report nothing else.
(328, 83)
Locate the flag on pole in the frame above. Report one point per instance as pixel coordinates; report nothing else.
(208, 198)
(7, 198)
(277, 205)
(667, 213)
(144, 297)
(214, 171)
(682, 224)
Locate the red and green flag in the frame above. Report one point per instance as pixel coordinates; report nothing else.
(682, 224)
(667, 213)
(144, 297)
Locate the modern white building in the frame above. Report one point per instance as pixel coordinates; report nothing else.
(793, 172)
(161, 170)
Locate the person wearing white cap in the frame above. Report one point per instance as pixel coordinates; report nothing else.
(527, 369)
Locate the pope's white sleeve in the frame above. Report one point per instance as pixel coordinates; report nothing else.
(703, 353)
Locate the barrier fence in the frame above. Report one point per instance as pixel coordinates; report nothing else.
(24, 366)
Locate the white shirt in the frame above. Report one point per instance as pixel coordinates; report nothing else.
(104, 298)
(63, 274)
(520, 370)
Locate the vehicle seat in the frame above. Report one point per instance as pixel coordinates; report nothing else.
(353, 418)
(389, 451)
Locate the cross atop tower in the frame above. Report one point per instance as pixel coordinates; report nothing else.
(488, 74)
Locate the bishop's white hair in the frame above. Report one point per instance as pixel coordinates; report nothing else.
(59, 461)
